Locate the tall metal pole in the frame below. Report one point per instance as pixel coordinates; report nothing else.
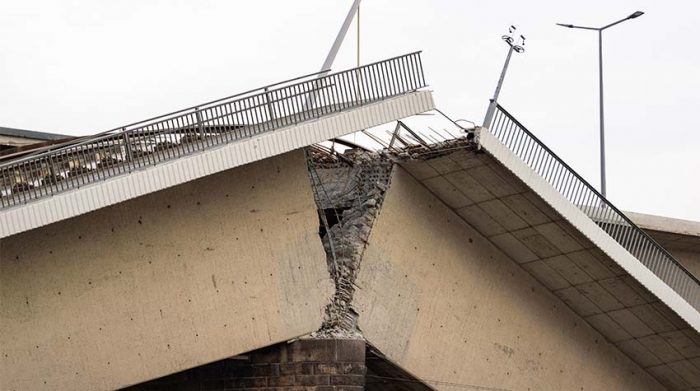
(494, 101)
(340, 37)
(330, 57)
(358, 35)
(602, 116)
(354, 135)
(600, 73)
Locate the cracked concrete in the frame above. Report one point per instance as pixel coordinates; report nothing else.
(349, 190)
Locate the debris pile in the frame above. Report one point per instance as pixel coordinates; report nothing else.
(349, 189)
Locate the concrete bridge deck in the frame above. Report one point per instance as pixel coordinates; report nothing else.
(505, 211)
(462, 267)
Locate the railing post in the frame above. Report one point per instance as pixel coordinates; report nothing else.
(200, 128)
(52, 171)
(358, 87)
(127, 149)
(268, 106)
(199, 121)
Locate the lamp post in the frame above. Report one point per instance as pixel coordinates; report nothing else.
(517, 46)
(600, 73)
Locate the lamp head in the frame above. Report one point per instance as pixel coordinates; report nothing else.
(565, 25)
(635, 15)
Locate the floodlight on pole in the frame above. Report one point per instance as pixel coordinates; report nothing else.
(635, 15)
(516, 45)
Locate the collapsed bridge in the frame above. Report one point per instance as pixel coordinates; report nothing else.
(187, 250)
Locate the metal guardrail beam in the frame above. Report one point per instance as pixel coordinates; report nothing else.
(535, 154)
(119, 151)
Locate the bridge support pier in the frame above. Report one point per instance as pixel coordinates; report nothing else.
(314, 364)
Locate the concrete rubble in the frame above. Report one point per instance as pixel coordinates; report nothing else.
(349, 190)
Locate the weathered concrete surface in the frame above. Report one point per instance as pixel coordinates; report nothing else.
(440, 300)
(566, 251)
(164, 282)
(683, 298)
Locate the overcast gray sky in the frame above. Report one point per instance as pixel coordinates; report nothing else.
(80, 67)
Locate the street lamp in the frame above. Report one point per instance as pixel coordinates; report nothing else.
(517, 46)
(600, 72)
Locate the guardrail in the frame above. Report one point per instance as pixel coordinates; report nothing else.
(94, 158)
(571, 185)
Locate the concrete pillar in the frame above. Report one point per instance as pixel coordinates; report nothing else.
(314, 364)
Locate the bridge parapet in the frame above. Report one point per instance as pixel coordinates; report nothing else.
(569, 184)
(119, 151)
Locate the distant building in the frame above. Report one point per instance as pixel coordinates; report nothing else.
(12, 139)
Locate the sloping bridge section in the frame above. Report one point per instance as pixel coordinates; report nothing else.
(446, 304)
(203, 237)
(67, 180)
(533, 207)
(172, 280)
(567, 191)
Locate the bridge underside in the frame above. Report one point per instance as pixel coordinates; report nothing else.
(485, 202)
(466, 278)
(164, 282)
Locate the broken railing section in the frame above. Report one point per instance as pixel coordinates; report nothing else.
(90, 159)
(574, 188)
(421, 141)
(349, 189)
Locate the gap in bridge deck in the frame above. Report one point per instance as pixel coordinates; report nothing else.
(348, 189)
